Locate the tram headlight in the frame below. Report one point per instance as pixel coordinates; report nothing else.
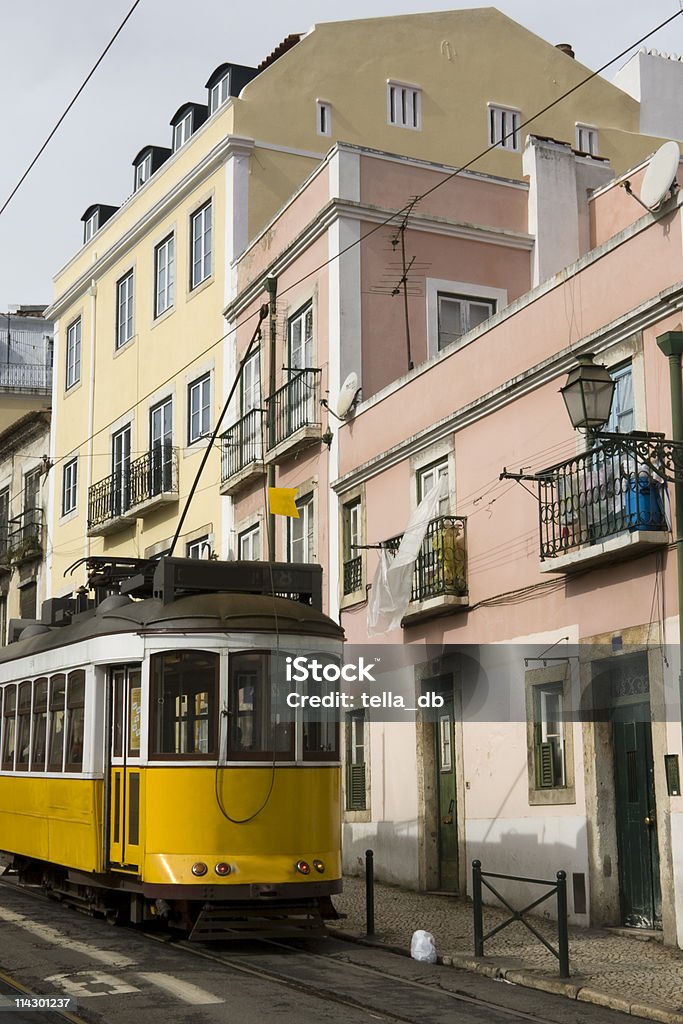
(303, 867)
(319, 866)
(199, 869)
(222, 869)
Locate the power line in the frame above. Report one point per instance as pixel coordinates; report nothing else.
(78, 92)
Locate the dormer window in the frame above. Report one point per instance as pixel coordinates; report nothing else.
(91, 225)
(219, 92)
(143, 171)
(182, 131)
(95, 217)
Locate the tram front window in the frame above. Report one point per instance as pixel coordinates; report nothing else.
(261, 723)
(184, 688)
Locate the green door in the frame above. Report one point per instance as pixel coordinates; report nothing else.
(641, 898)
(445, 785)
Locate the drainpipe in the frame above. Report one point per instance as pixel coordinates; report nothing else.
(271, 286)
(671, 344)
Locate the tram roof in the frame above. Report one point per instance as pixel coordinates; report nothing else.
(198, 613)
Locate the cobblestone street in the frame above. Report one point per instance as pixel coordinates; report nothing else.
(634, 974)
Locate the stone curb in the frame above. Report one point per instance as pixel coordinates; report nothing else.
(504, 971)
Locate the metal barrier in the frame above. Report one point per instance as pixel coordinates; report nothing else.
(559, 886)
(369, 893)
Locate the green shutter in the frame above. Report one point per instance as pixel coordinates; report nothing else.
(355, 787)
(545, 766)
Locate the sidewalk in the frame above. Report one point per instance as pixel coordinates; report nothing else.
(636, 976)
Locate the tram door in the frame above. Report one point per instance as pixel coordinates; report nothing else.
(126, 776)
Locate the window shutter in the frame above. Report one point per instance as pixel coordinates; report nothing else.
(355, 787)
(545, 766)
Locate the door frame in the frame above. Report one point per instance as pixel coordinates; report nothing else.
(124, 770)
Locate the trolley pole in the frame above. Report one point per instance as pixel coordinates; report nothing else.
(369, 893)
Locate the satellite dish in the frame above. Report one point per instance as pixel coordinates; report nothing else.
(660, 175)
(347, 395)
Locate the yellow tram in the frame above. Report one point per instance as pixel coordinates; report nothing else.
(150, 764)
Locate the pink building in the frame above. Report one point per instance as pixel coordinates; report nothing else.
(535, 601)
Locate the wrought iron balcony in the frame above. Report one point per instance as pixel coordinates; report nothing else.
(26, 376)
(241, 447)
(441, 565)
(615, 488)
(129, 492)
(24, 536)
(293, 411)
(353, 575)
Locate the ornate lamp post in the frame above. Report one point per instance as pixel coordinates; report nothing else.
(588, 394)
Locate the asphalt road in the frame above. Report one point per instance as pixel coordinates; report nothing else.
(120, 976)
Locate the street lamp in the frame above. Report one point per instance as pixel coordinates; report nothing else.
(588, 394)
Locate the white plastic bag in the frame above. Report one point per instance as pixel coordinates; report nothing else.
(422, 947)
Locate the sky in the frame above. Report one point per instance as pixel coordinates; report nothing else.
(162, 58)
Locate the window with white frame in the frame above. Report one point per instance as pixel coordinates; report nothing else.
(458, 314)
(73, 353)
(404, 105)
(323, 118)
(504, 125)
(428, 477)
(300, 532)
(91, 225)
(143, 171)
(353, 557)
(249, 544)
(220, 91)
(549, 736)
(587, 139)
(182, 131)
(69, 486)
(199, 408)
(201, 240)
(124, 309)
(199, 548)
(622, 415)
(164, 275)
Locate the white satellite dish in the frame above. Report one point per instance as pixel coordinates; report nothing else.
(347, 395)
(660, 175)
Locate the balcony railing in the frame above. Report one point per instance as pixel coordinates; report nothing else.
(24, 536)
(294, 406)
(153, 474)
(241, 445)
(36, 377)
(441, 564)
(596, 495)
(353, 575)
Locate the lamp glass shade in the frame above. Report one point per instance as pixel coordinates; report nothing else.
(588, 395)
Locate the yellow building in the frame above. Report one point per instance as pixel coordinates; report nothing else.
(143, 359)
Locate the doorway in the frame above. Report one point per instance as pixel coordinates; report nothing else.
(126, 777)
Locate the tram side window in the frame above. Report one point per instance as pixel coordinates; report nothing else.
(39, 725)
(184, 692)
(75, 719)
(57, 710)
(9, 727)
(261, 723)
(24, 726)
(321, 725)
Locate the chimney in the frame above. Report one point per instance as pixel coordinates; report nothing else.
(565, 48)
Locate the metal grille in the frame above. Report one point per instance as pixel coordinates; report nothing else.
(353, 575)
(24, 535)
(441, 564)
(596, 495)
(293, 406)
(26, 375)
(241, 444)
(154, 473)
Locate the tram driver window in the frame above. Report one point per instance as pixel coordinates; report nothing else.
(261, 723)
(75, 704)
(184, 690)
(321, 725)
(9, 730)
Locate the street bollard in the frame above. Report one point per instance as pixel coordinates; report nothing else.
(477, 908)
(562, 929)
(369, 893)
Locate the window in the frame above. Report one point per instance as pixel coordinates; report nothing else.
(260, 724)
(621, 418)
(459, 314)
(353, 558)
(39, 731)
(124, 310)
(75, 720)
(301, 408)
(57, 713)
(9, 711)
(120, 467)
(164, 275)
(355, 761)
(587, 139)
(428, 478)
(28, 598)
(404, 103)
(250, 544)
(143, 171)
(4, 520)
(219, 93)
(31, 530)
(198, 548)
(199, 408)
(323, 118)
(200, 260)
(73, 353)
(185, 691)
(69, 486)
(504, 127)
(300, 532)
(23, 726)
(161, 447)
(90, 226)
(182, 131)
(549, 736)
